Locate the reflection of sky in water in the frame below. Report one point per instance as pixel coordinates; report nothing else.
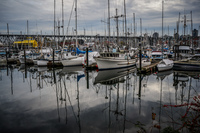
(54, 108)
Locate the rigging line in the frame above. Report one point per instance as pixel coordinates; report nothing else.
(81, 10)
(70, 18)
(68, 23)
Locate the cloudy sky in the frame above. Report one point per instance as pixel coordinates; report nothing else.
(92, 13)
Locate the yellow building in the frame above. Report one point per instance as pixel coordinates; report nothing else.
(29, 43)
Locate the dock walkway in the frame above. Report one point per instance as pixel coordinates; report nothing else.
(150, 68)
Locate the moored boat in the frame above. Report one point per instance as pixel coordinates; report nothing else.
(74, 61)
(165, 64)
(105, 63)
(190, 64)
(156, 55)
(22, 60)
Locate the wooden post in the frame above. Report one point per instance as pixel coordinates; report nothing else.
(53, 57)
(25, 71)
(86, 57)
(140, 58)
(7, 57)
(54, 75)
(87, 79)
(7, 63)
(25, 56)
(8, 41)
(140, 84)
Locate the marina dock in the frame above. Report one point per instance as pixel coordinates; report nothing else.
(150, 68)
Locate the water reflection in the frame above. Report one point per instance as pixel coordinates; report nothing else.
(160, 76)
(66, 74)
(75, 100)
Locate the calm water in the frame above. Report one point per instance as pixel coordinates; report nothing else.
(72, 100)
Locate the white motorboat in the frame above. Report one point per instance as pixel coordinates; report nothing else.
(165, 64)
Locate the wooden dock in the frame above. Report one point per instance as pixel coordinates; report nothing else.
(150, 68)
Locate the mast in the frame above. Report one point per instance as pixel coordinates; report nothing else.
(117, 28)
(191, 30)
(162, 26)
(76, 21)
(125, 22)
(54, 20)
(134, 28)
(27, 34)
(58, 32)
(141, 28)
(8, 40)
(184, 23)
(177, 27)
(108, 24)
(67, 25)
(62, 19)
(178, 23)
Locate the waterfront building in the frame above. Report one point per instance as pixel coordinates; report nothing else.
(28, 43)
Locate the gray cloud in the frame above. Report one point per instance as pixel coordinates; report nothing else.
(40, 14)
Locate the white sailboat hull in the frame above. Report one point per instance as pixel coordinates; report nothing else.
(114, 63)
(42, 62)
(164, 67)
(73, 62)
(165, 64)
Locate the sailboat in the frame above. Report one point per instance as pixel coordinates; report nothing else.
(74, 60)
(164, 64)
